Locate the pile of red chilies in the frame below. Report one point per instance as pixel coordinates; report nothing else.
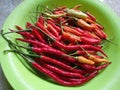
(68, 42)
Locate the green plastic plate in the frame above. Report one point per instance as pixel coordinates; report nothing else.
(22, 79)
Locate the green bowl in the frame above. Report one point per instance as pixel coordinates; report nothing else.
(22, 79)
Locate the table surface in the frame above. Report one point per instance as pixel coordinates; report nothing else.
(6, 6)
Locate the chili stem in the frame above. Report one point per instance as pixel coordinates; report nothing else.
(13, 31)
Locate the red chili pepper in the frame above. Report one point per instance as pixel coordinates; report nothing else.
(99, 26)
(87, 33)
(91, 16)
(93, 68)
(60, 81)
(81, 52)
(78, 47)
(85, 25)
(41, 20)
(26, 34)
(69, 79)
(79, 30)
(59, 63)
(55, 26)
(37, 35)
(28, 25)
(45, 30)
(70, 37)
(52, 29)
(62, 72)
(31, 26)
(91, 35)
(59, 38)
(102, 66)
(74, 47)
(87, 40)
(71, 30)
(100, 34)
(55, 52)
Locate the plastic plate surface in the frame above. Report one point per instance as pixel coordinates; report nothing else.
(22, 79)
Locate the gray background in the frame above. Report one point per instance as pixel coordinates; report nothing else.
(6, 6)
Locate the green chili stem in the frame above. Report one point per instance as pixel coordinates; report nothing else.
(19, 52)
(13, 31)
